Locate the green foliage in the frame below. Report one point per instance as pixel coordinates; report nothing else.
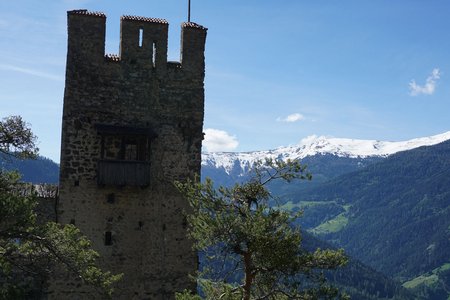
(187, 295)
(334, 225)
(16, 138)
(37, 171)
(30, 250)
(432, 285)
(323, 166)
(398, 221)
(358, 280)
(238, 227)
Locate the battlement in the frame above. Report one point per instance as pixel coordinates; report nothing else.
(143, 42)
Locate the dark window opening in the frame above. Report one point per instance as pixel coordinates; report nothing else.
(134, 148)
(72, 221)
(76, 183)
(124, 156)
(111, 198)
(108, 238)
(130, 152)
(129, 148)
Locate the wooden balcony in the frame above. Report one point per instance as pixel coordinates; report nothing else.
(123, 173)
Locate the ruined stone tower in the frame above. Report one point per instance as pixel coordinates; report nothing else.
(132, 125)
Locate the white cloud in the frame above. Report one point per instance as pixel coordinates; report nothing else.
(428, 88)
(291, 118)
(31, 72)
(219, 141)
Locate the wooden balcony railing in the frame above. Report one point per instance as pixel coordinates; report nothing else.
(123, 172)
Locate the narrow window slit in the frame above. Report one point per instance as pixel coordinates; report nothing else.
(111, 198)
(154, 54)
(141, 36)
(108, 238)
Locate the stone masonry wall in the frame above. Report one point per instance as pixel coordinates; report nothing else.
(138, 229)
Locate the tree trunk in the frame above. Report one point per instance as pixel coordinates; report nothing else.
(248, 275)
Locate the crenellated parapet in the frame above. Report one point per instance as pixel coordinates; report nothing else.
(143, 42)
(86, 36)
(193, 38)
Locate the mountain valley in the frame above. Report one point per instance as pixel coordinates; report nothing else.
(386, 203)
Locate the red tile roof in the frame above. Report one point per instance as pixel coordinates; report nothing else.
(112, 57)
(144, 19)
(193, 25)
(85, 12)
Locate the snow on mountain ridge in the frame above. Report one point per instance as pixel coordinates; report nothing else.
(313, 145)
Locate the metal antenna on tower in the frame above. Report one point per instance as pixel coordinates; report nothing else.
(189, 11)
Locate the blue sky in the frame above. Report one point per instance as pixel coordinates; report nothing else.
(276, 71)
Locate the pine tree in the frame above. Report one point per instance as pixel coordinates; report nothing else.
(31, 248)
(252, 250)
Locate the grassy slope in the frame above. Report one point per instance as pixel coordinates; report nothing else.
(393, 215)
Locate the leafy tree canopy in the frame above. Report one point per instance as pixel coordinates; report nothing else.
(31, 249)
(253, 250)
(16, 138)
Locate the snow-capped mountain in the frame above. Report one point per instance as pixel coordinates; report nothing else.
(241, 162)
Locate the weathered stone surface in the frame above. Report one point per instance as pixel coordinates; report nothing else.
(137, 90)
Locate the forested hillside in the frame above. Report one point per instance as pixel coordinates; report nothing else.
(393, 215)
(357, 279)
(322, 166)
(40, 170)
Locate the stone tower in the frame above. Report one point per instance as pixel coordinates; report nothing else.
(132, 125)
